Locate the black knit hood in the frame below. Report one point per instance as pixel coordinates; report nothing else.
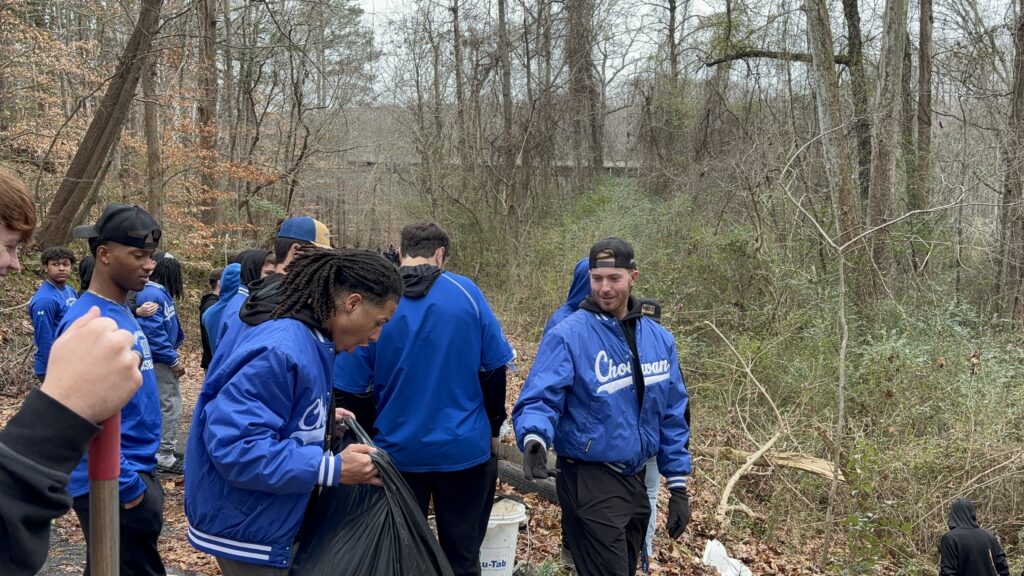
(265, 296)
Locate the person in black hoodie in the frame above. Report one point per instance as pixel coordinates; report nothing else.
(208, 300)
(968, 549)
(36, 459)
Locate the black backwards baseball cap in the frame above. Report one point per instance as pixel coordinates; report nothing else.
(128, 225)
(620, 249)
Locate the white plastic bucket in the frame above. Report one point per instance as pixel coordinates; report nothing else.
(498, 552)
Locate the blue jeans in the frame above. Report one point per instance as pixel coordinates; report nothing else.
(653, 481)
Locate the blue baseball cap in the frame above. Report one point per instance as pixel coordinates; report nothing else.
(306, 229)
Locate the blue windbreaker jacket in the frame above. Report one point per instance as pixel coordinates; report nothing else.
(229, 315)
(578, 291)
(229, 285)
(140, 417)
(580, 395)
(163, 328)
(256, 448)
(424, 374)
(46, 310)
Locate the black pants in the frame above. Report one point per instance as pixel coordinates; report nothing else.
(462, 506)
(604, 517)
(140, 528)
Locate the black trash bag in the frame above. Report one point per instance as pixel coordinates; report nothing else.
(364, 530)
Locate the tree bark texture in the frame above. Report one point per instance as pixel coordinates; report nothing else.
(1011, 217)
(584, 97)
(207, 110)
(922, 183)
(833, 143)
(103, 131)
(885, 132)
(154, 174)
(859, 92)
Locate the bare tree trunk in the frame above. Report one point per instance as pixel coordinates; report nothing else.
(103, 131)
(833, 143)
(673, 46)
(207, 110)
(154, 173)
(922, 184)
(514, 209)
(1011, 217)
(714, 97)
(583, 93)
(886, 129)
(907, 149)
(859, 91)
(460, 104)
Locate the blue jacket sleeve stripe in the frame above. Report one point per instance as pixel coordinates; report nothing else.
(330, 470)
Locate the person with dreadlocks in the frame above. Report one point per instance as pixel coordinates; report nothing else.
(163, 329)
(258, 448)
(50, 302)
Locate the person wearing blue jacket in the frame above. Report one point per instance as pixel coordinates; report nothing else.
(260, 440)
(47, 307)
(438, 385)
(606, 392)
(165, 335)
(123, 241)
(255, 264)
(578, 290)
(230, 282)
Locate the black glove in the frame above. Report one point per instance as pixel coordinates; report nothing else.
(678, 512)
(535, 462)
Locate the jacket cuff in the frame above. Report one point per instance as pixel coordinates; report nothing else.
(676, 482)
(330, 470)
(133, 490)
(59, 444)
(529, 437)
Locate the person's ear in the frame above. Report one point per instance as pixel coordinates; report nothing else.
(632, 277)
(103, 254)
(440, 254)
(352, 301)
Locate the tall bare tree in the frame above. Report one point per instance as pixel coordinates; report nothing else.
(885, 131)
(859, 93)
(920, 190)
(584, 97)
(207, 108)
(103, 132)
(154, 173)
(829, 110)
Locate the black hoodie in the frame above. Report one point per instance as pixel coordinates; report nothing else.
(265, 296)
(205, 303)
(251, 262)
(967, 549)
